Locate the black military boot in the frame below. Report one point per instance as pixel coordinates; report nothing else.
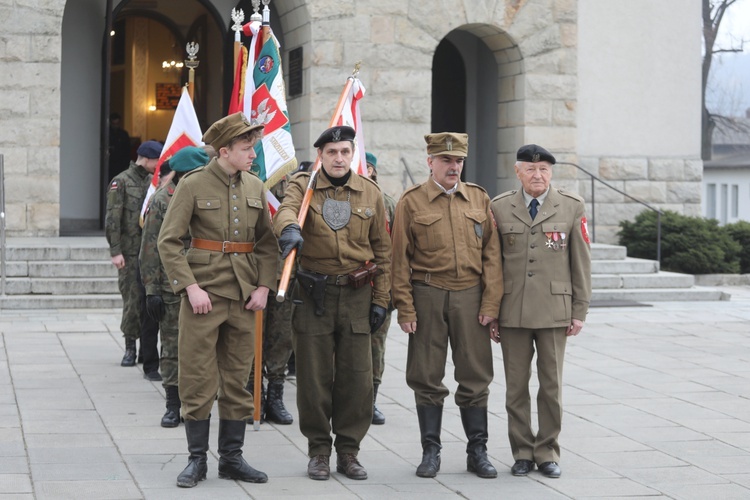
(474, 419)
(231, 463)
(276, 412)
(172, 417)
(129, 358)
(197, 438)
(430, 423)
(377, 416)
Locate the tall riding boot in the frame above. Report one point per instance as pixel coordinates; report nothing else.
(276, 412)
(377, 416)
(128, 358)
(474, 419)
(249, 388)
(231, 463)
(430, 423)
(197, 438)
(172, 417)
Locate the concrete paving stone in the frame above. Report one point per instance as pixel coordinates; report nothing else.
(739, 439)
(13, 449)
(15, 483)
(707, 448)
(100, 490)
(23, 326)
(14, 465)
(88, 425)
(80, 472)
(583, 445)
(67, 441)
(156, 446)
(81, 456)
(200, 492)
(599, 487)
(741, 479)
(74, 326)
(709, 426)
(634, 459)
(60, 402)
(673, 475)
(702, 491)
(721, 465)
(9, 421)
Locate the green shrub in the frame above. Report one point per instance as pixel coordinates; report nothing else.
(740, 232)
(692, 245)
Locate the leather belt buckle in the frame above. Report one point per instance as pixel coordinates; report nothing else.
(344, 280)
(224, 247)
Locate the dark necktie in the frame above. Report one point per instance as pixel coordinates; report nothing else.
(533, 206)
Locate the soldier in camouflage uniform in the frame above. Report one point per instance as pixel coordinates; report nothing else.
(162, 305)
(378, 338)
(123, 231)
(277, 345)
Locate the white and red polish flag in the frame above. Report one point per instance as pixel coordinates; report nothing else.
(350, 116)
(184, 131)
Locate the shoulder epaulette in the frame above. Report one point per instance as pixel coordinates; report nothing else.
(571, 195)
(475, 186)
(196, 170)
(410, 189)
(370, 181)
(504, 195)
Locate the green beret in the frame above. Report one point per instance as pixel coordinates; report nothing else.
(531, 153)
(372, 160)
(220, 133)
(188, 158)
(335, 134)
(447, 143)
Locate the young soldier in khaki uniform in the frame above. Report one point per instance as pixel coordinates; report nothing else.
(547, 269)
(447, 286)
(162, 305)
(378, 338)
(224, 278)
(344, 229)
(123, 230)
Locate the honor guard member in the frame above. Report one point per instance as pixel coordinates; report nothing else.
(340, 298)
(123, 231)
(162, 305)
(447, 286)
(378, 338)
(224, 277)
(547, 269)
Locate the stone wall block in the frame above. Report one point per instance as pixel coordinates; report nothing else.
(404, 81)
(427, 15)
(398, 135)
(45, 103)
(564, 113)
(15, 159)
(532, 18)
(610, 214)
(545, 41)
(377, 108)
(623, 168)
(30, 190)
(327, 53)
(382, 56)
(693, 209)
(417, 110)
(409, 35)
(565, 11)
(15, 216)
(693, 170)
(382, 30)
(46, 161)
(536, 112)
(44, 217)
(22, 21)
(684, 192)
(569, 35)
(347, 29)
(554, 139)
(647, 191)
(21, 75)
(384, 7)
(39, 132)
(14, 103)
(562, 87)
(14, 48)
(51, 7)
(322, 9)
(45, 48)
(671, 169)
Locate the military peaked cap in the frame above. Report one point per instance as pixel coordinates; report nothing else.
(447, 143)
(220, 133)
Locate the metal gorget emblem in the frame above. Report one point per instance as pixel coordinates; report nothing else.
(337, 213)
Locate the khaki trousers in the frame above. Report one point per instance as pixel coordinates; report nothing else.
(518, 351)
(444, 317)
(215, 350)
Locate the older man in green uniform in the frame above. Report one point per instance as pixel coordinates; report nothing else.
(547, 268)
(162, 305)
(343, 301)
(447, 286)
(378, 338)
(123, 231)
(224, 277)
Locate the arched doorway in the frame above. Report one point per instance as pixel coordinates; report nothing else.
(476, 70)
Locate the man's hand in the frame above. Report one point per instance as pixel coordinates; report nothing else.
(574, 328)
(258, 299)
(199, 299)
(290, 239)
(155, 307)
(408, 327)
(377, 317)
(486, 320)
(495, 331)
(118, 261)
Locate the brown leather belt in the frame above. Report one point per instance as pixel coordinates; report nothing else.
(222, 246)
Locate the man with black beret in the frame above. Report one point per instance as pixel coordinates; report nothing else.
(224, 277)
(344, 230)
(547, 271)
(127, 190)
(163, 306)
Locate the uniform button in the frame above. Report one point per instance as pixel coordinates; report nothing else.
(533, 245)
(208, 204)
(174, 282)
(234, 196)
(235, 254)
(533, 232)
(235, 209)
(532, 260)
(232, 186)
(236, 221)
(236, 232)
(531, 274)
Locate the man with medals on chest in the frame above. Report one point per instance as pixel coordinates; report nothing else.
(340, 297)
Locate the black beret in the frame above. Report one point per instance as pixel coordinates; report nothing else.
(150, 149)
(532, 153)
(335, 134)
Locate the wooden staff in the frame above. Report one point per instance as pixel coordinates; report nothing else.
(286, 274)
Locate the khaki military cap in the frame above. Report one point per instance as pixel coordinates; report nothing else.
(447, 143)
(220, 133)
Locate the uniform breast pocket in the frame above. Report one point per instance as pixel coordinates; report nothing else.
(557, 234)
(513, 236)
(475, 220)
(429, 231)
(254, 209)
(359, 224)
(133, 201)
(209, 212)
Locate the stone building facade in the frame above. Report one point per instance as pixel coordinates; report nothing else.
(611, 86)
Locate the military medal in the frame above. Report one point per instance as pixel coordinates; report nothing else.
(337, 213)
(562, 241)
(478, 230)
(550, 244)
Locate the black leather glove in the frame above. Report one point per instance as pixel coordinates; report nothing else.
(155, 307)
(290, 239)
(377, 317)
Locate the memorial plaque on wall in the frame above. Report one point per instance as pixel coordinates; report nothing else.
(167, 95)
(295, 72)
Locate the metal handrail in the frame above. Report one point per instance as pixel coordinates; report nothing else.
(407, 172)
(2, 225)
(593, 206)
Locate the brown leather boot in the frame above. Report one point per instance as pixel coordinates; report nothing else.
(318, 468)
(347, 463)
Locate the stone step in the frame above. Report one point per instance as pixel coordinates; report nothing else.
(695, 293)
(626, 266)
(61, 286)
(99, 301)
(72, 269)
(63, 248)
(601, 251)
(662, 279)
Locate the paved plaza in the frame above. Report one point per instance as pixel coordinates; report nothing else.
(657, 404)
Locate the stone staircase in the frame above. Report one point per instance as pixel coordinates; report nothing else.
(76, 272)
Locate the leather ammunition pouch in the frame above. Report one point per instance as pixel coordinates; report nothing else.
(363, 275)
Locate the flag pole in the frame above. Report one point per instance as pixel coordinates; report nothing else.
(286, 273)
(192, 64)
(237, 17)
